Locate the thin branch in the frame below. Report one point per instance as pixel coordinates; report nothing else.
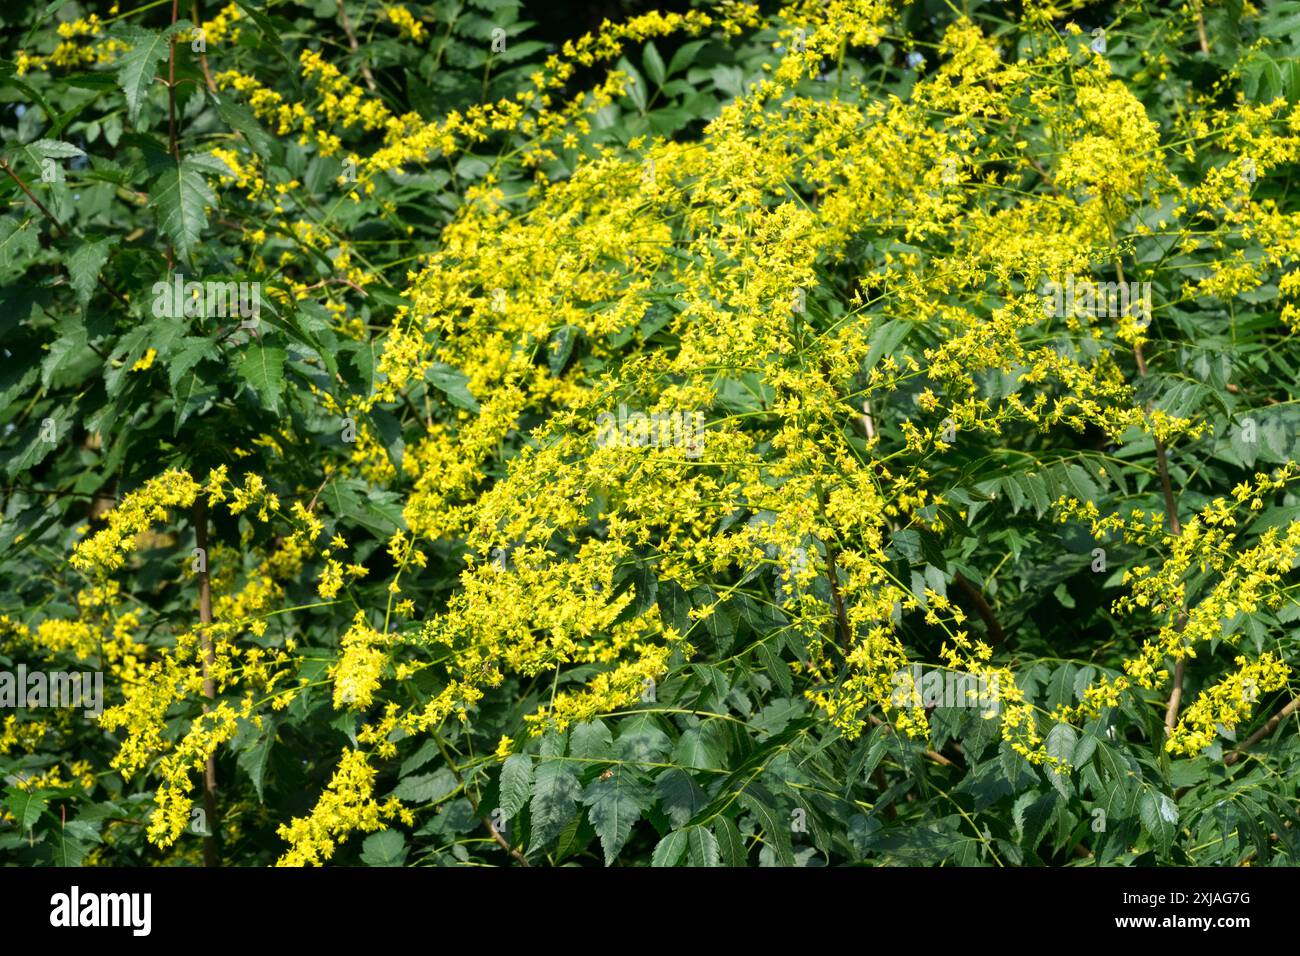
(171, 84)
(62, 232)
(1175, 528)
(929, 754)
(1263, 732)
(203, 56)
(352, 41)
(473, 802)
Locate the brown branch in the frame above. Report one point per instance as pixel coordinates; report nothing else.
(1175, 528)
(171, 84)
(1263, 732)
(62, 232)
(32, 196)
(312, 507)
(352, 41)
(203, 56)
(929, 754)
(487, 821)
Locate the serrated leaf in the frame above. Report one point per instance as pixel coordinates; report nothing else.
(84, 266)
(1031, 813)
(1061, 741)
(775, 830)
(775, 667)
(65, 356)
(255, 760)
(516, 784)
(702, 847)
(616, 803)
(426, 788)
(263, 368)
(731, 845)
(25, 807)
(385, 848)
(698, 748)
(192, 350)
(180, 197)
(190, 393)
(591, 741)
(18, 243)
(66, 849)
(670, 849)
(56, 149)
(680, 796)
(555, 800)
(453, 384)
(428, 750)
(137, 66)
(33, 444)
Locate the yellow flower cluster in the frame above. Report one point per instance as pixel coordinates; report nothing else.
(1227, 703)
(789, 434)
(347, 805)
(151, 503)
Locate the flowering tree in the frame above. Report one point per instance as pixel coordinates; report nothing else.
(846, 435)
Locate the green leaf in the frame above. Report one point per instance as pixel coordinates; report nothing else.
(192, 350)
(555, 800)
(256, 758)
(697, 747)
(561, 348)
(25, 807)
(616, 803)
(1159, 815)
(685, 55)
(33, 444)
(670, 849)
(775, 667)
(190, 393)
(263, 368)
(635, 84)
(703, 846)
(67, 850)
(137, 67)
(453, 384)
(426, 788)
(19, 242)
(179, 198)
(428, 750)
(85, 264)
(1060, 743)
(654, 64)
(1031, 814)
(386, 848)
(516, 784)
(680, 796)
(56, 149)
(68, 359)
(731, 844)
(775, 830)
(591, 741)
